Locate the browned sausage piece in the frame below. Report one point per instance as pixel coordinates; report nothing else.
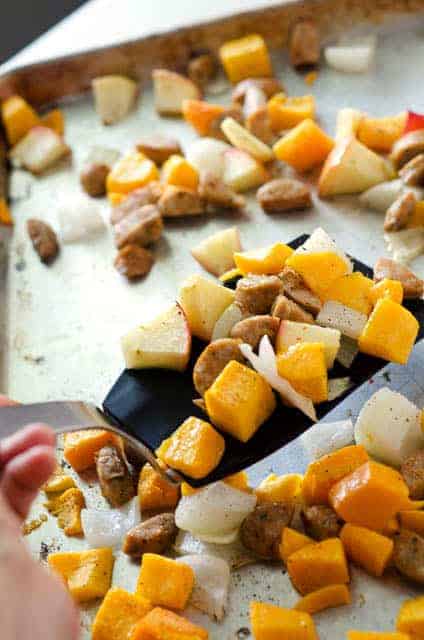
(296, 289)
(154, 535)
(407, 147)
(149, 194)
(213, 360)
(158, 147)
(304, 44)
(258, 123)
(284, 194)
(93, 179)
(321, 522)
(176, 202)
(215, 130)
(261, 530)
(133, 262)
(115, 479)
(413, 287)
(413, 474)
(270, 86)
(217, 194)
(412, 173)
(398, 214)
(286, 309)
(255, 294)
(43, 239)
(142, 227)
(202, 69)
(251, 330)
(408, 555)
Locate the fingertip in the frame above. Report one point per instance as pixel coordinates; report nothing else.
(23, 440)
(43, 433)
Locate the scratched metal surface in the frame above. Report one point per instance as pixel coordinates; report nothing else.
(61, 325)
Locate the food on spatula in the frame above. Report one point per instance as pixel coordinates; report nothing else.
(251, 330)
(292, 333)
(171, 89)
(213, 360)
(203, 302)
(286, 309)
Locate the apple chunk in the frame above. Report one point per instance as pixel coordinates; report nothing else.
(242, 172)
(170, 89)
(40, 149)
(162, 343)
(114, 97)
(291, 333)
(203, 302)
(216, 253)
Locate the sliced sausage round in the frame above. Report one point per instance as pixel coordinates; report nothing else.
(158, 147)
(138, 198)
(304, 44)
(297, 290)
(93, 179)
(43, 239)
(115, 480)
(176, 202)
(213, 359)
(408, 555)
(413, 473)
(286, 309)
(251, 330)
(133, 261)
(284, 194)
(255, 294)
(413, 287)
(261, 530)
(321, 522)
(154, 535)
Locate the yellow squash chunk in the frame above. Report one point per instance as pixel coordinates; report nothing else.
(238, 480)
(155, 493)
(376, 635)
(366, 548)
(130, 172)
(239, 401)
(304, 366)
(67, 509)
(370, 496)
(195, 448)
(390, 332)
(304, 147)
(279, 488)
(161, 624)
(54, 120)
(287, 112)
(165, 582)
(386, 288)
(267, 260)
(352, 291)
(116, 198)
(318, 565)
(18, 118)
(275, 623)
(323, 474)
(416, 220)
(413, 520)
(292, 541)
(411, 618)
(87, 574)
(5, 213)
(118, 615)
(319, 270)
(58, 482)
(179, 172)
(246, 57)
(335, 595)
(379, 134)
(82, 446)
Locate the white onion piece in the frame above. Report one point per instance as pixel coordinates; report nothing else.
(405, 245)
(265, 364)
(20, 184)
(323, 438)
(226, 322)
(338, 386)
(337, 316)
(225, 538)
(320, 242)
(107, 528)
(347, 352)
(350, 59)
(235, 553)
(383, 195)
(79, 218)
(207, 155)
(211, 584)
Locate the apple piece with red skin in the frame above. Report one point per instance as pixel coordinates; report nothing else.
(216, 253)
(291, 333)
(242, 172)
(414, 122)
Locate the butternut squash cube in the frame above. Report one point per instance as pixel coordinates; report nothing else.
(287, 112)
(386, 288)
(130, 172)
(390, 332)
(5, 213)
(201, 114)
(352, 291)
(161, 624)
(67, 509)
(274, 623)
(318, 270)
(413, 520)
(305, 367)
(267, 260)
(195, 448)
(164, 581)
(318, 565)
(411, 617)
(370, 496)
(179, 172)
(292, 541)
(366, 548)
(18, 118)
(279, 488)
(334, 595)
(155, 493)
(376, 635)
(81, 447)
(239, 401)
(58, 482)
(239, 481)
(87, 574)
(304, 147)
(246, 57)
(116, 198)
(54, 120)
(379, 134)
(118, 615)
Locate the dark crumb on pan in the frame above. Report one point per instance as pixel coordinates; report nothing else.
(386, 376)
(34, 359)
(47, 549)
(65, 465)
(243, 632)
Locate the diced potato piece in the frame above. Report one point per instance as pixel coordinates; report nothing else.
(55, 120)
(38, 150)
(267, 260)
(171, 90)
(118, 615)
(155, 493)
(411, 618)
(370, 496)
(82, 446)
(239, 401)
(67, 508)
(242, 139)
(390, 332)
(216, 253)
(324, 473)
(413, 520)
(379, 134)
(114, 97)
(201, 114)
(279, 488)
(386, 288)
(376, 635)
(368, 549)
(246, 57)
(5, 213)
(304, 366)
(304, 147)
(18, 118)
(165, 582)
(274, 623)
(58, 482)
(318, 565)
(179, 172)
(334, 595)
(292, 541)
(287, 112)
(319, 270)
(351, 290)
(161, 624)
(87, 574)
(131, 171)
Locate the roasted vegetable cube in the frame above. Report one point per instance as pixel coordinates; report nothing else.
(411, 618)
(81, 447)
(376, 635)
(18, 118)
(304, 147)
(318, 565)
(334, 595)
(58, 482)
(279, 488)
(246, 57)
(179, 172)
(274, 623)
(55, 120)
(201, 115)
(352, 291)
(379, 134)
(287, 112)
(118, 615)
(366, 548)
(161, 624)
(386, 288)
(318, 270)
(5, 213)
(87, 574)
(413, 520)
(67, 509)
(267, 260)
(164, 581)
(155, 493)
(292, 541)
(131, 171)
(304, 366)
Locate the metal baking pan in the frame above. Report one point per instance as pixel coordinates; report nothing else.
(60, 325)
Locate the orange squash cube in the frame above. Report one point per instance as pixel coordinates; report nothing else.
(376, 635)
(274, 623)
(155, 493)
(81, 447)
(279, 488)
(390, 332)
(352, 291)
(318, 270)
(195, 448)
(118, 615)
(386, 288)
(366, 548)
(379, 134)
(239, 481)
(58, 482)
(246, 57)
(304, 147)
(201, 114)
(413, 520)
(67, 509)
(164, 581)
(292, 541)
(239, 401)
(287, 112)
(411, 618)
(5, 213)
(416, 220)
(267, 260)
(370, 496)
(87, 574)
(179, 172)
(318, 565)
(54, 119)
(116, 198)
(334, 595)
(130, 172)
(161, 624)
(18, 118)
(304, 366)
